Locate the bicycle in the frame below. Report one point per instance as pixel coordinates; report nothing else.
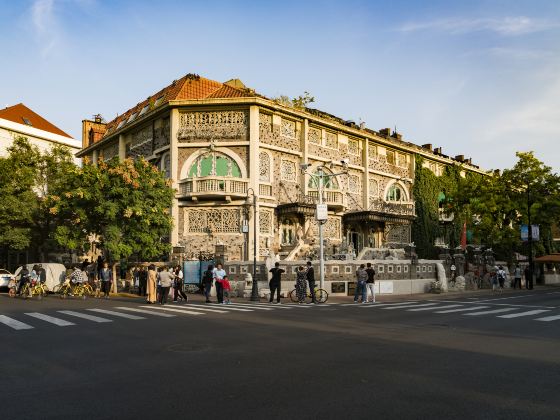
(78, 290)
(321, 296)
(31, 289)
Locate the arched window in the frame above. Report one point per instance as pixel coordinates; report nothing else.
(395, 193)
(329, 182)
(214, 164)
(166, 165)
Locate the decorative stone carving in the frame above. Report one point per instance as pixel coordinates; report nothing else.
(223, 125)
(288, 171)
(110, 151)
(399, 234)
(265, 222)
(286, 135)
(382, 206)
(331, 140)
(354, 184)
(211, 220)
(264, 167)
(372, 150)
(379, 163)
(288, 128)
(314, 135)
(319, 151)
(353, 147)
(331, 229)
(161, 134)
(373, 188)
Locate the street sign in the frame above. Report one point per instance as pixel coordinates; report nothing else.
(244, 228)
(535, 232)
(321, 212)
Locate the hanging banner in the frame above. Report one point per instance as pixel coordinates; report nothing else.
(535, 232)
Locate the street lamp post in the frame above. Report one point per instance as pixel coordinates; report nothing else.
(529, 281)
(248, 203)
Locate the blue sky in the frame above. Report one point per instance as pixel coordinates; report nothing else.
(479, 78)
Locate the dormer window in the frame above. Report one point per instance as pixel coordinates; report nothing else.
(27, 122)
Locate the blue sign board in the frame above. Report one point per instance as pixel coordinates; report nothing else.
(534, 232)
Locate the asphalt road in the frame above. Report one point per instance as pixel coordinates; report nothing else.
(436, 358)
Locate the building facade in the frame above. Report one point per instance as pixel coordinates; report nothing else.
(19, 120)
(222, 143)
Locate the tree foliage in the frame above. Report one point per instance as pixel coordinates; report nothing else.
(126, 203)
(299, 102)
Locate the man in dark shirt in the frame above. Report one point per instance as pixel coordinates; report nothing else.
(311, 280)
(276, 282)
(370, 282)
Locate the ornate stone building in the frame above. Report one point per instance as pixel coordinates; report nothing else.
(221, 142)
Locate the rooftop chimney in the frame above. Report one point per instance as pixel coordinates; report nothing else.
(385, 132)
(427, 146)
(437, 150)
(460, 158)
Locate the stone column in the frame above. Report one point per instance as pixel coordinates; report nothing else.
(254, 171)
(122, 147)
(174, 158)
(95, 156)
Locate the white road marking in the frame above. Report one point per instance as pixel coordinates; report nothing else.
(377, 305)
(492, 311)
(548, 318)
(185, 311)
(245, 305)
(50, 319)
(198, 308)
(520, 314)
(86, 316)
(12, 323)
(410, 306)
(144, 311)
(474, 308)
(216, 306)
(274, 305)
(431, 308)
(119, 314)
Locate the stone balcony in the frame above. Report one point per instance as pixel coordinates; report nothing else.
(333, 199)
(213, 187)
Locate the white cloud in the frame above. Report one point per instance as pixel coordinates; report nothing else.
(517, 25)
(45, 25)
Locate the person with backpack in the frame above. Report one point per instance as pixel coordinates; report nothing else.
(275, 282)
(207, 278)
(501, 275)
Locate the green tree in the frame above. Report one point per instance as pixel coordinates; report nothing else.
(126, 203)
(18, 203)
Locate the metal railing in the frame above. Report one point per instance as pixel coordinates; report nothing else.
(213, 185)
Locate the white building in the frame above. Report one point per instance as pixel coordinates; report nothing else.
(18, 120)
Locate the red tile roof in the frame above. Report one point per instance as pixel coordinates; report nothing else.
(21, 114)
(190, 86)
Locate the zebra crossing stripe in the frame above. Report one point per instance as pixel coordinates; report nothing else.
(50, 319)
(13, 323)
(273, 305)
(410, 306)
(182, 311)
(119, 314)
(247, 306)
(520, 314)
(199, 308)
(377, 305)
(86, 316)
(493, 311)
(144, 311)
(225, 307)
(548, 318)
(473, 308)
(431, 308)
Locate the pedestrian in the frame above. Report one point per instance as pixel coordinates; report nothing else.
(370, 282)
(310, 274)
(142, 281)
(207, 278)
(275, 282)
(517, 277)
(501, 275)
(23, 278)
(99, 265)
(301, 284)
(136, 277)
(85, 263)
(361, 278)
(219, 273)
(42, 274)
(528, 279)
(106, 277)
(178, 285)
(166, 280)
(494, 280)
(152, 280)
(227, 290)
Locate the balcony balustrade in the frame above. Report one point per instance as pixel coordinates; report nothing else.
(212, 187)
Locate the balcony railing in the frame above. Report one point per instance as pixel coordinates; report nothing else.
(213, 186)
(265, 189)
(402, 208)
(331, 198)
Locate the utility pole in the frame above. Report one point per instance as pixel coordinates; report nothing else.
(321, 244)
(529, 284)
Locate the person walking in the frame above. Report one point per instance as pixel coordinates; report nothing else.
(227, 290)
(275, 283)
(207, 278)
(152, 279)
(517, 277)
(178, 285)
(219, 273)
(370, 282)
(361, 278)
(310, 274)
(106, 277)
(301, 284)
(166, 280)
(501, 275)
(528, 280)
(142, 281)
